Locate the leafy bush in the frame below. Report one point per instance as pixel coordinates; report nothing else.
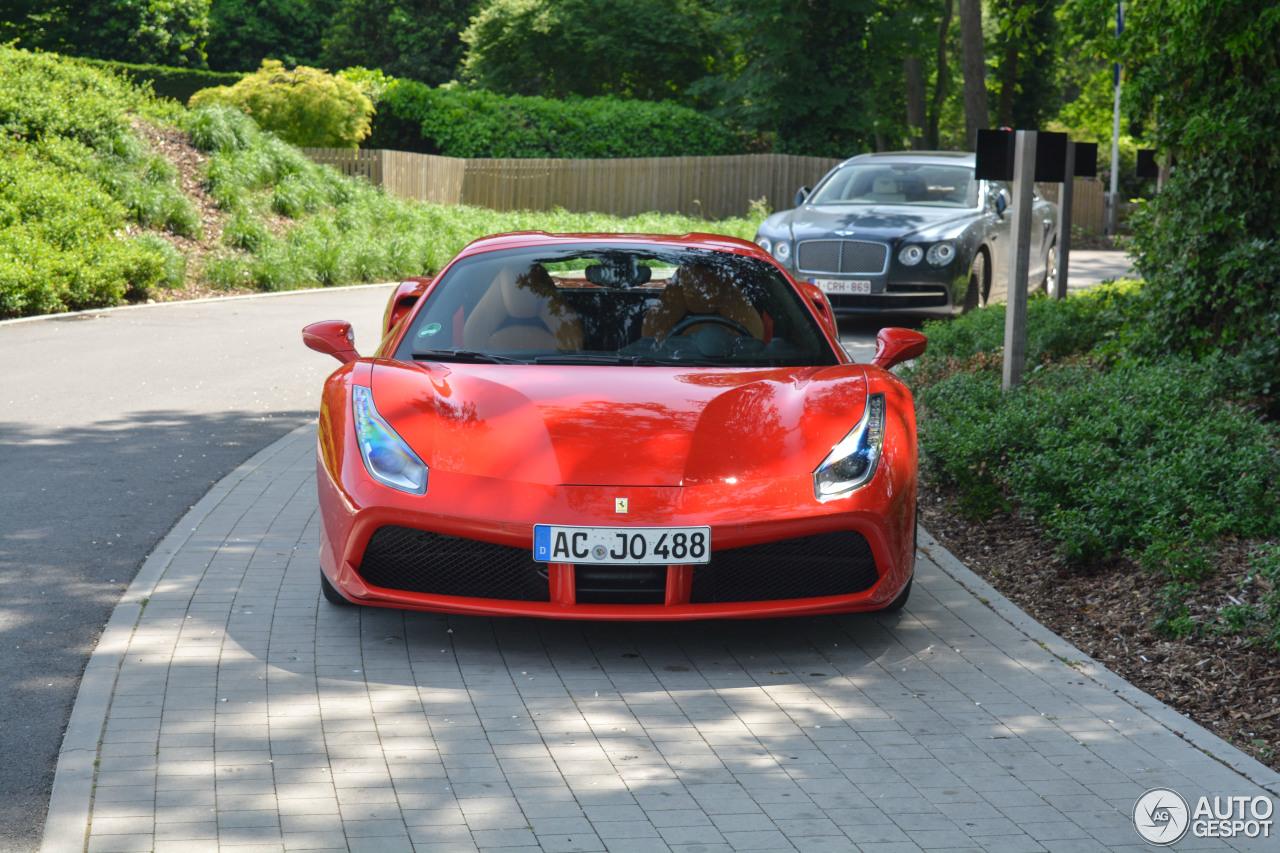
(167, 82)
(305, 106)
(1207, 243)
(463, 123)
(1150, 459)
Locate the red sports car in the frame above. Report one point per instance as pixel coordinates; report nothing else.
(613, 426)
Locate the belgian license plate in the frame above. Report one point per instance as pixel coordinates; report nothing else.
(836, 285)
(626, 545)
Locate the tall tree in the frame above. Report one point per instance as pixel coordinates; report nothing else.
(1207, 244)
(1026, 66)
(159, 32)
(818, 77)
(646, 49)
(973, 62)
(242, 33)
(416, 39)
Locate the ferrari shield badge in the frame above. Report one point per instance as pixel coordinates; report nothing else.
(620, 505)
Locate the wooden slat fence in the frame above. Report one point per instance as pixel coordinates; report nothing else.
(711, 187)
(1087, 203)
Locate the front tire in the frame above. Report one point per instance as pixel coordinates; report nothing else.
(975, 296)
(1049, 284)
(331, 594)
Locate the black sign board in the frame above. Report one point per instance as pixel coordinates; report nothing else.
(1051, 157)
(1086, 160)
(994, 161)
(1147, 165)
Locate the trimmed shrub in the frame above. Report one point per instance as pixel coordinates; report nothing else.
(476, 123)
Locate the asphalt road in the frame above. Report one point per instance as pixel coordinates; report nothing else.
(116, 422)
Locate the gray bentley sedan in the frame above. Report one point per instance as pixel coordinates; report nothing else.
(909, 231)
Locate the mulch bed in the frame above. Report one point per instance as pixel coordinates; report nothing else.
(1223, 683)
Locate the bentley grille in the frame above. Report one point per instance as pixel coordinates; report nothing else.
(842, 256)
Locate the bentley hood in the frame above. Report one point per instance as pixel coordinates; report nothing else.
(885, 223)
(622, 426)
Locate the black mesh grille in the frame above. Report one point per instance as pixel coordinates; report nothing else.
(842, 256)
(402, 558)
(838, 563)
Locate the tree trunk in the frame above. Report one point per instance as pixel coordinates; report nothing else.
(913, 71)
(943, 86)
(973, 60)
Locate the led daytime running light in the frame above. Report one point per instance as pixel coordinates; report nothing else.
(387, 457)
(852, 463)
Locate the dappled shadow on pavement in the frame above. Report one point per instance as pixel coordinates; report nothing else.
(81, 508)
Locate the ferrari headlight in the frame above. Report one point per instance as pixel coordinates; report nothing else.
(852, 463)
(941, 254)
(782, 251)
(910, 255)
(386, 456)
(765, 243)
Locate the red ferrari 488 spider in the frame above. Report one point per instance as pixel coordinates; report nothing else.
(610, 426)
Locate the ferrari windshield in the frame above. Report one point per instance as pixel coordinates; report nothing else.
(616, 304)
(918, 184)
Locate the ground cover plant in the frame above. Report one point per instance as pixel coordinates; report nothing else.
(1130, 502)
(108, 194)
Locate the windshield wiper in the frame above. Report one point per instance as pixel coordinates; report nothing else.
(629, 360)
(464, 355)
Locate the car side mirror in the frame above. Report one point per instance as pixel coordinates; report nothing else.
(894, 346)
(332, 337)
(801, 195)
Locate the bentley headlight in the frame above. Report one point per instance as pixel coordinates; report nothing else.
(764, 243)
(782, 251)
(941, 254)
(910, 255)
(387, 457)
(852, 463)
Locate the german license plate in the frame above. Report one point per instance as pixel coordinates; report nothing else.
(626, 545)
(837, 285)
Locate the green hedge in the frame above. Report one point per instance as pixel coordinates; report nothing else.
(470, 123)
(177, 83)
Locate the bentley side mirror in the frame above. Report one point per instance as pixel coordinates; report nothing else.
(332, 337)
(801, 195)
(894, 346)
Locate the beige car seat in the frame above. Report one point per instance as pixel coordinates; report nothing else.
(698, 289)
(522, 311)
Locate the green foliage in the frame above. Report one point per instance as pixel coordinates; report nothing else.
(1026, 64)
(305, 106)
(416, 41)
(645, 49)
(1207, 244)
(160, 32)
(820, 78)
(1108, 461)
(176, 83)
(242, 33)
(462, 123)
(72, 177)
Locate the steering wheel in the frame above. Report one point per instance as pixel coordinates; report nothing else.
(715, 319)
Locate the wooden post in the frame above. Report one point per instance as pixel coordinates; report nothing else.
(1015, 322)
(1065, 201)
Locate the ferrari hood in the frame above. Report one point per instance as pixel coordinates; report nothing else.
(622, 426)
(886, 223)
